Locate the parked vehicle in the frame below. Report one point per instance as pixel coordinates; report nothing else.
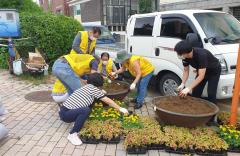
(155, 35)
(9, 23)
(107, 41)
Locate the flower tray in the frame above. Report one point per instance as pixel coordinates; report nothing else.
(114, 140)
(234, 150)
(87, 140)
(179, 151)
(212, 153)
(156, 147)
(137, 150)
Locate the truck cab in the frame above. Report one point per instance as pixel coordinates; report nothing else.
(155, 35)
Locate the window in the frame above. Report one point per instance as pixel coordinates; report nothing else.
(9, 16)
(77, 10)
(175, 27)
(144, 26)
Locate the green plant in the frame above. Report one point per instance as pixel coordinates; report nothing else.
(230, 135)
(92, 129)
(3, 58)
(145, 6)
(52, 34)
(136, 138)
(21, 5)
(111, 129)
(131, 122)
(224, 117)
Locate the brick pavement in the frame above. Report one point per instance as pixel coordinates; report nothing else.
(35, 128)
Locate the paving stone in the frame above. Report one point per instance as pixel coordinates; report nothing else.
(57, 151)
(13, 150)
(162, 153)
(21, 153)
(89, 150)
(101, 146)
(99, 152)
(69, 149)
(121, 152)
(111, 150)
(78, 152)
(49, 147)
(38, 135)
(153, 153)
(44, 140)
(35, 151)
(62, 142)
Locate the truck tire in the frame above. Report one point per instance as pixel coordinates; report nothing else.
(168, 83)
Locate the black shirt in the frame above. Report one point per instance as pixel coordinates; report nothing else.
(201, 59)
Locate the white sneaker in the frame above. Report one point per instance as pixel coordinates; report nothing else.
(74, 139)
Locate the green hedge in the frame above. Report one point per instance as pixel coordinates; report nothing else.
(3, 58)
(52, 34)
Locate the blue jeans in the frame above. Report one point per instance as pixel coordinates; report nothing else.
(66, 75)
(79, 116)
(142, 88)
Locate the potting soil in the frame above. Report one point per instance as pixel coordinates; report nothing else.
(187, 105)
(115, 87)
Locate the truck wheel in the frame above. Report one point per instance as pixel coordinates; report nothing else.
(168, 83)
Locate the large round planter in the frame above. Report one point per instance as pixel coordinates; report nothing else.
(119, 94)
(184, 120)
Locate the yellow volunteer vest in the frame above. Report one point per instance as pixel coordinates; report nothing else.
(145, 66)
(59, 88)
(108, 66)
(84, 44)
(80, 63)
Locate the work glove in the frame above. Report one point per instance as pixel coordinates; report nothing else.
(109, 81)
(132, 86)
(123, 110)
(180, 88)
(185, 92)
(113, 74)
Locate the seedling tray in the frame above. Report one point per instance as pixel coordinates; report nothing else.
(179, 151)
(87, 140)
(212, 153)
(137, 150)
(156, 147)
(234, 150)
(115, 140)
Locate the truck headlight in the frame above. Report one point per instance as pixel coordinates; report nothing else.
(223, 64)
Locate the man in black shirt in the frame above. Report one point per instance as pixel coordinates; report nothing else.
(208, 69)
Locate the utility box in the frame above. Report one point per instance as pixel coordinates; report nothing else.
(9, 23)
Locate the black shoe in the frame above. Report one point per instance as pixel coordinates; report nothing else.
(133, 101)
(138, 106)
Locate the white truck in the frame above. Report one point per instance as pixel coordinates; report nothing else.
(155, 35)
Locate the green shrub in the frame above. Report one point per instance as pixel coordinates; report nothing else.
(52, 34)
(3, 58)
(21, 5)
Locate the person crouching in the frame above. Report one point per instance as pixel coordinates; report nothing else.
(77, 107)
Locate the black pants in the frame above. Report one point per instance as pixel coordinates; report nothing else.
(212, 78)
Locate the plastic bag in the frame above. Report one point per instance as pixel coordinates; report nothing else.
(17, 67)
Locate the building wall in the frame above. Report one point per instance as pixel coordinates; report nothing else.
(92, 11)
(57, 6)
(44, 4)
(200, 4)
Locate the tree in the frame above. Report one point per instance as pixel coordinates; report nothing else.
(20, 5)
(145, 6)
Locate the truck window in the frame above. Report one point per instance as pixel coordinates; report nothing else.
(144, 26)
(175, 27)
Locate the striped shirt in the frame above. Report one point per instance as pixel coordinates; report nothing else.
(83, 97)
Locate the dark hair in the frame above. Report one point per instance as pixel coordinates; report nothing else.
(183, 47)
(105, 54)
(96, 30)
(95, 79)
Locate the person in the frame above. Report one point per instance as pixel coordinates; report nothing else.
(68, 70)
(141, 69)
(106, 65)
(78, 106)
(208, 70)
(85, 42)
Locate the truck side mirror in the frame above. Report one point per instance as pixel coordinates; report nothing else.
(194, 39)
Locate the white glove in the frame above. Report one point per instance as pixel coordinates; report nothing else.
(109, 81)
(185, 92)
(132, 86)
(123, 110)
(180, 88)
